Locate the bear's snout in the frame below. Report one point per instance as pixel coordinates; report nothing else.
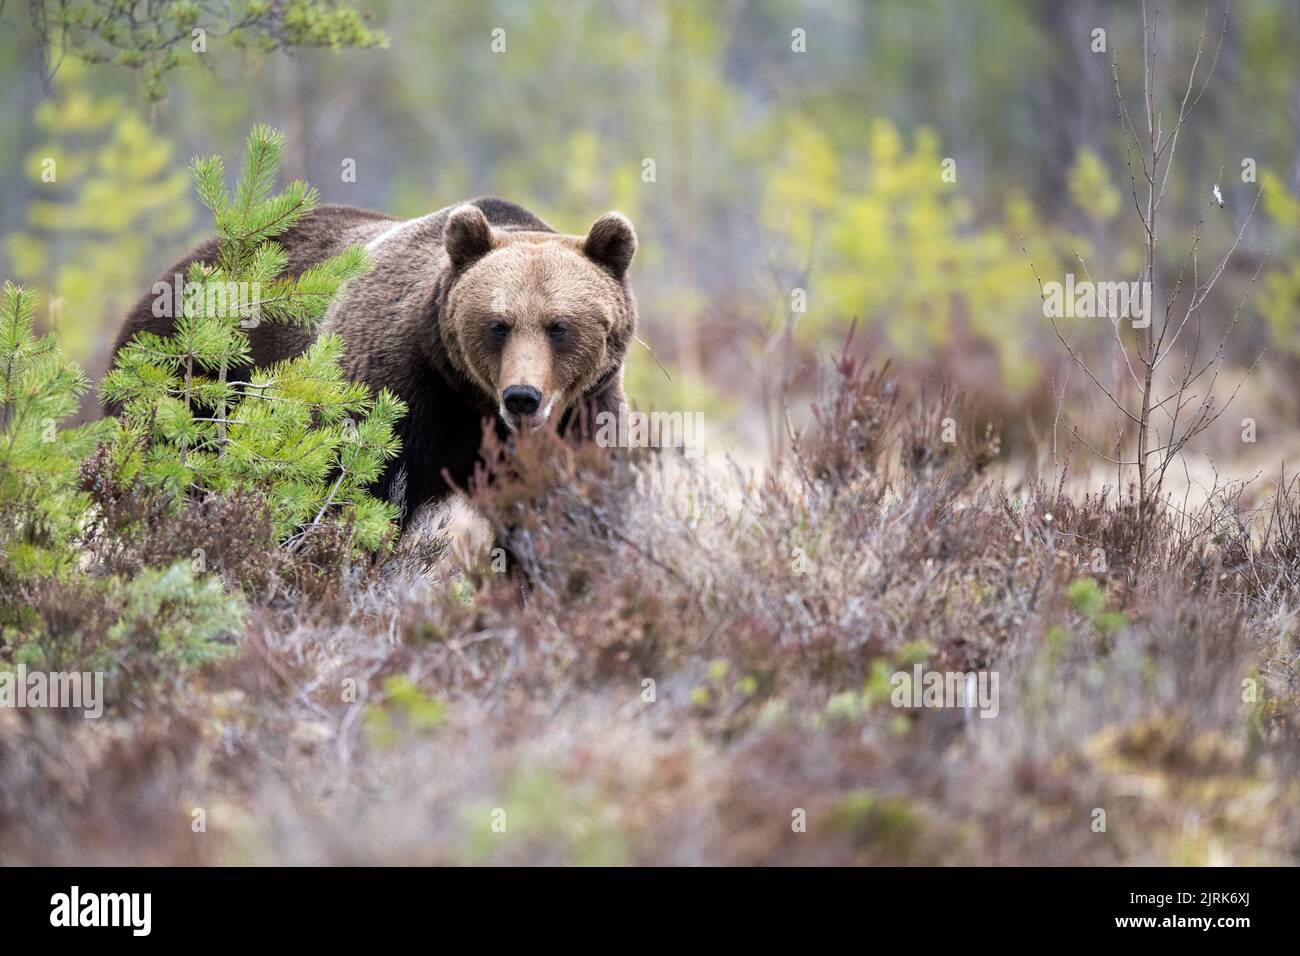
(521, 399)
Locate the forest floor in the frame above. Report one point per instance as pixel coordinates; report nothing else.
(693, 665)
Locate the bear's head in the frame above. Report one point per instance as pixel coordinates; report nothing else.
(536, 320)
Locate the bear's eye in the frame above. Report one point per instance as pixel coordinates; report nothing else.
(499, 329)
(557, 332)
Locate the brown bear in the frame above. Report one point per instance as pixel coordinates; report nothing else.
(478, 311)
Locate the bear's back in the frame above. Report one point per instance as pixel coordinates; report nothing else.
(326, 231)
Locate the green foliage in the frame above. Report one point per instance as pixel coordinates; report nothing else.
(298, 432)
(40, 499)
(1087, 598)
(1091, 188)
(78, 591)
(404, 706)
(1279, 297)
(900, 246)
(844, 707)
(180, 617)
(297, 436)
(52, 614)
(165, 34)
(158, 621)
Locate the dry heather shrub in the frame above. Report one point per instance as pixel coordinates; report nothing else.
(855, 419)
(635, 562)
(135, 527)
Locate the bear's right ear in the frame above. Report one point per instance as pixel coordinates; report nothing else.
(611, 242)
(467, 236)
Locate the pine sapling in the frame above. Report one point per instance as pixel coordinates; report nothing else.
(298, 432)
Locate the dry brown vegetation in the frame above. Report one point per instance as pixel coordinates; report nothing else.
(769, 612)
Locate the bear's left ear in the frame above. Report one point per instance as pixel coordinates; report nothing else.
(467, 236)
(611, 242)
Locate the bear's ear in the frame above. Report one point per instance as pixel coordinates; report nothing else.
(611, 242)
(467, 236)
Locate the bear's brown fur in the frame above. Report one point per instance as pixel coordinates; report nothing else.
(478, 311)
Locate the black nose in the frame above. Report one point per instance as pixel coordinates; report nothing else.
(521, 399)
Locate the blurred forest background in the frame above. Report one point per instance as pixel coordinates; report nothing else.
(773, 170)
